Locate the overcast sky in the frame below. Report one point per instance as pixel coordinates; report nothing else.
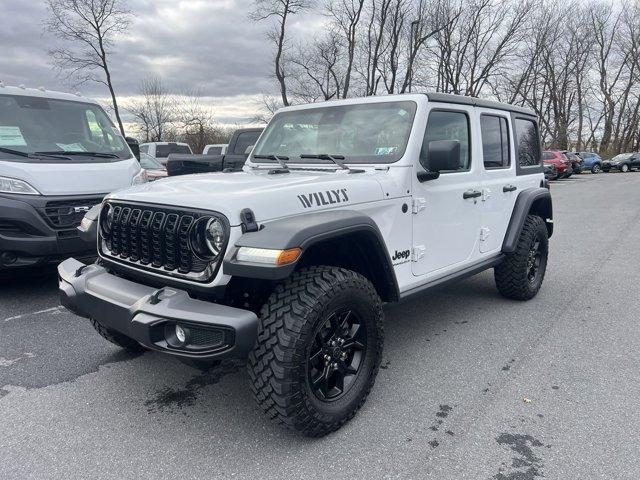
(204, 45)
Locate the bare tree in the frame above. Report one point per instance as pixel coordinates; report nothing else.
(155, 110)
(281, 10)
(346, 16)
(88, 29)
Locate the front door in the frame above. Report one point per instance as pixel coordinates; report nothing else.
(447, 210)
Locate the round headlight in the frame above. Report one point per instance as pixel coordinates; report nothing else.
(214, 236)
(208, 237)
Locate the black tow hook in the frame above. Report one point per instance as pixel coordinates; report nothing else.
(80, 270)
(154, 298)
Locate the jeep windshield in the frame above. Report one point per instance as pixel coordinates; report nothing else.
(50, 129)
(361, 133)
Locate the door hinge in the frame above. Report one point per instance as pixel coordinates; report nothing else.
(486, 194)
(418, 204)
(418, 253)
(484, 234)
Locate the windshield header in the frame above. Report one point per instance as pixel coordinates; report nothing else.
(359, 133)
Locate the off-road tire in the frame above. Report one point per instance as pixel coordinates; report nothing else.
(278, 363)
(116, 338)
(512, 275)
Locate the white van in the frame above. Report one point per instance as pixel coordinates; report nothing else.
(161, 150)
(60, 154)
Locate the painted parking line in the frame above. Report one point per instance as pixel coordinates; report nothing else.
(52, 310)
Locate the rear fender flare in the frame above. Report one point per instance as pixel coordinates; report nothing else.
(531, 200)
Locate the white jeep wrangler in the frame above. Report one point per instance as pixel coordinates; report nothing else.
(342, 206)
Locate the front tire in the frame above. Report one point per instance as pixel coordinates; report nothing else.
(318, 349)
(520, 275)
(596, 168)
(624, 168)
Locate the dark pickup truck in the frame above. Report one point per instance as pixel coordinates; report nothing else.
(239, 148)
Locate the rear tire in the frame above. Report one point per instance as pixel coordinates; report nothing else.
(596, 168)
(116, 338)
(318, 349)
(520, 275)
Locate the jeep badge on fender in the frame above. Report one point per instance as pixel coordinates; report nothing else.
(229, 270)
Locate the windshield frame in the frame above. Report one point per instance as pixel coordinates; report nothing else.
(77, 156)
(295, 160)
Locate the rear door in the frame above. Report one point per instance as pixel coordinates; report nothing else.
(447, 210)
(499, 188)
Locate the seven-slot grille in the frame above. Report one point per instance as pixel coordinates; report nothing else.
(153, 237)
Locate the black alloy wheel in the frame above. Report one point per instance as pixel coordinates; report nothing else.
(338, 349)
(534, 259)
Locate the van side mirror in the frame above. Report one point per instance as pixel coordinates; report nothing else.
(442, 155)
(134, 146)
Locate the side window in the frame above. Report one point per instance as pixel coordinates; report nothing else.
(528, 146)
(495, 141)
(445, 125)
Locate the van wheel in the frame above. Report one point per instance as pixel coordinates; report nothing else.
(318, 349)
(596, 168)
(520, 275)
(116, 338)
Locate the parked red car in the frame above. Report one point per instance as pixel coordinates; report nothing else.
(560, 161)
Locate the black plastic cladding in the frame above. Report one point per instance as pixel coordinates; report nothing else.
(156, 238)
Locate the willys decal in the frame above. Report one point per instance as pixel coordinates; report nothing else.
(328, 197)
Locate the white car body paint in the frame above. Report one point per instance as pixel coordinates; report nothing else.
(74, 178)
(442, 237)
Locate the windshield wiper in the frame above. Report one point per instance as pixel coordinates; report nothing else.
(337, 159)
(281, 159)
(14, 152)
(39, 155)
(76, 152)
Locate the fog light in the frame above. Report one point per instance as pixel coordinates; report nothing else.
(181, 335)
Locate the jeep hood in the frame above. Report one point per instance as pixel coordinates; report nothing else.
(268, 195)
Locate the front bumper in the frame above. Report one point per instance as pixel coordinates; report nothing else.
(27, 238)
(149, 315)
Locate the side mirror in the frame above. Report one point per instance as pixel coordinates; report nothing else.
(442, 155)
(134, 146)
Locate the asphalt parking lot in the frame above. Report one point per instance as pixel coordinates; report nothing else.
(472, 386)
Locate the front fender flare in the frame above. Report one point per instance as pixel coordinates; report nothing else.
(305, 231)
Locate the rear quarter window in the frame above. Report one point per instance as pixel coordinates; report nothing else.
(528, 143)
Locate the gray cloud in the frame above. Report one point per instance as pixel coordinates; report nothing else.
(208, 46)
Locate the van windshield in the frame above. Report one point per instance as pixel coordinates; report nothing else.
(363, 133)
(35, 124)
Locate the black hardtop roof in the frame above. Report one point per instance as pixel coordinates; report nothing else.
(477, 102)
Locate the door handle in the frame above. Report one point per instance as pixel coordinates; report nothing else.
(471, 194)
(509, 188)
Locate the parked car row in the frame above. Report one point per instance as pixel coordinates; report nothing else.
(562, 163)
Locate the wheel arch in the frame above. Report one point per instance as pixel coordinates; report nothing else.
(536, 201)
(340, 238)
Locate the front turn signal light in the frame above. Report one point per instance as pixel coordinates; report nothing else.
(268, 256)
